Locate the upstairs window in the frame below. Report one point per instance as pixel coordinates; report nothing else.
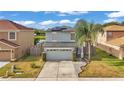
(54, 36)
(72, 36)
(12, 36)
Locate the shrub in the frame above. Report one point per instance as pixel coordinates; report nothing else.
(74, 56)
(44, 56)
(33, 65)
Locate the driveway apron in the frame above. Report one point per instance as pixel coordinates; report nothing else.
(63, 70)
(2, 63)
(49, 70)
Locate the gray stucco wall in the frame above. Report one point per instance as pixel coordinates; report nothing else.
(58, 36)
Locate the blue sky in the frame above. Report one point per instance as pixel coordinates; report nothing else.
(46, 19)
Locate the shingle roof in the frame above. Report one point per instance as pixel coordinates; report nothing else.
(10, 25)
(117, 41)
(114, 28)
(9, 43)
(63, 29)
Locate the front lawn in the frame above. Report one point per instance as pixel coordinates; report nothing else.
(26, 67)
(104, 65)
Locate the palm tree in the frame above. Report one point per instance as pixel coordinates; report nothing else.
(87, 32)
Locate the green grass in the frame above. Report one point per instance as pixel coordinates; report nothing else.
(104, 65)
(39, 37)
(24, 65)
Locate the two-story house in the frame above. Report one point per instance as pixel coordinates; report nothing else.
(15, 40)
(59, 44)
(112, 40)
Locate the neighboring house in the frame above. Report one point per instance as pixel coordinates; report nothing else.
(60, 44)
(112, 40)
(15, 40)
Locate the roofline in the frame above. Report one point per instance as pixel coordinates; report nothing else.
(59, 31)
(9, 45)
(114, 30)
(15, 30)
(16, 25)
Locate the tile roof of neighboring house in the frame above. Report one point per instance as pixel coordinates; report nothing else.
(117, 42)
(114, 28)
(10, 25)
(9, 43)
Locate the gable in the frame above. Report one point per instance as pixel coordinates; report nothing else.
(7, 25)
(7, 44)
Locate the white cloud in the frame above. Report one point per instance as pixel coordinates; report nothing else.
(48, 22)
(73, 12)
(65, 21)
(109, 20)
(76, 19)
(48, 12)
(116, 14)
(60, 22)
(28, 22)
(1, 17)
(35, 11)
(61, 14)
(65, 13)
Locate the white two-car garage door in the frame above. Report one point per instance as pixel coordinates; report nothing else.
(59, 54)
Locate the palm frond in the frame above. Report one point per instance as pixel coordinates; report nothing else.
(86, 31)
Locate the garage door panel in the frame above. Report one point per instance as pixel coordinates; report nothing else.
(59, 55)
(5, 55)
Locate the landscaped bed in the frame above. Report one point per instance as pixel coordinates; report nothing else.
(26, 67)
(104, 65)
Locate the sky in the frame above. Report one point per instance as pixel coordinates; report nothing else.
(48, 19)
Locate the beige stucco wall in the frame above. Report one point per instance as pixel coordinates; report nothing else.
(115, 51)
(111, 49)
(115, 34)
(105, 37)
(102, 37)
(3, 35)
(24, 38)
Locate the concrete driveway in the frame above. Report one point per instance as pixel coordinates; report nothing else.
(64, 70)
(2, 63)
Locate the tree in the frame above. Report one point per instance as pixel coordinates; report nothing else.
(39, 32)
(87, 32)
(122, 23)
(111, 23)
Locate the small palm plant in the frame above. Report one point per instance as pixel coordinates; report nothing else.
(87, 32)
